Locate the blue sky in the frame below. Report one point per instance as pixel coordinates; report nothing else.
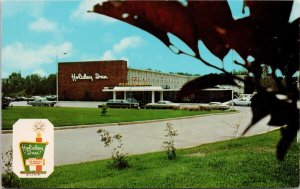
(34, 33)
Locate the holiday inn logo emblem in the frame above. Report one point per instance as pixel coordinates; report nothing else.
(33, 148)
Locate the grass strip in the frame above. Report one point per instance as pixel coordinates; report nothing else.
(65, 116)
(241, 162)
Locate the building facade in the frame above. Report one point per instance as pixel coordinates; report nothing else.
(154, 78)
(85, 80)
(95, 81)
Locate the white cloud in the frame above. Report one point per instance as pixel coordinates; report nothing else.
(12, 8)
(108, 55)
(43, 25)
(19, 55)
(81, 14)
(127, 42)
(121, 46)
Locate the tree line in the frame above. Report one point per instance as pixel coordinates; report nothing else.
(16, 85)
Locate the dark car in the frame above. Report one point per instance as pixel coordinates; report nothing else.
(21, 98)
(118, 103)
(51, 97)
(5, 103)
(133, 100)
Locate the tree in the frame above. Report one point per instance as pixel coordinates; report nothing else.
(266, 79)
(15, 85)
(240, 72)
(265, 35)
(34, 85)
(51, 84)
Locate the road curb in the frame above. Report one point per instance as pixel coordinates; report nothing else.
(170, 119)
(129, 123)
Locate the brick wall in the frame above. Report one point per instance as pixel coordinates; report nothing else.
(89, 88)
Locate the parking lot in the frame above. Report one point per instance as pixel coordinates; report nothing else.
(86, 104)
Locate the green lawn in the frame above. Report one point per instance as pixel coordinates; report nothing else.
(82, 116)
(243, 162)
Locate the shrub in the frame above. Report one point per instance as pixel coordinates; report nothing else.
(169, 145)
(9, 179)
(104, 110)
(190, 108)
(118, 157)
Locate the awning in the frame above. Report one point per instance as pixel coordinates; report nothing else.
(146, 88)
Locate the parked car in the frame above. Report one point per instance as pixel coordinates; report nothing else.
(119, 103)
(41, 102)
(163, 105)
(5, 103)
(21, 98)
(33, 98)
(242, 101)
(51, 97)
(133, 100)
(9, 99)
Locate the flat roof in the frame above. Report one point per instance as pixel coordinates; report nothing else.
(91, 61)
(151, 88)
(158, 72)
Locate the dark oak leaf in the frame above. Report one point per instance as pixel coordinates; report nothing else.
(288, 135)
(266, 34)
(203, 82)
(156, 17)
(283, 113)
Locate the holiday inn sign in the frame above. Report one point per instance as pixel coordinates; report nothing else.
(84, 76)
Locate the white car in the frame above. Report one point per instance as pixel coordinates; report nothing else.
(163, 105)
(242, 101)
(41, 102)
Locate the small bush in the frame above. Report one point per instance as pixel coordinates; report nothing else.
(9, 179)
(235, 126)
(104, 110)
(190, 108)
(169, 145)
(118, 157)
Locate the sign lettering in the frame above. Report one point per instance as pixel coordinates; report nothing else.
(87, 77)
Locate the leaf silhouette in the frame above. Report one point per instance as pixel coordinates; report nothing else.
(283, 113)
(265, 34)
(203, 82)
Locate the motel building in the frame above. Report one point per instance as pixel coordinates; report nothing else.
(104, 80)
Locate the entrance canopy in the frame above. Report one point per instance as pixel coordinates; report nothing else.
(153, 89)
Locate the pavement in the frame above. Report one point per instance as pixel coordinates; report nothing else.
(83, 144)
